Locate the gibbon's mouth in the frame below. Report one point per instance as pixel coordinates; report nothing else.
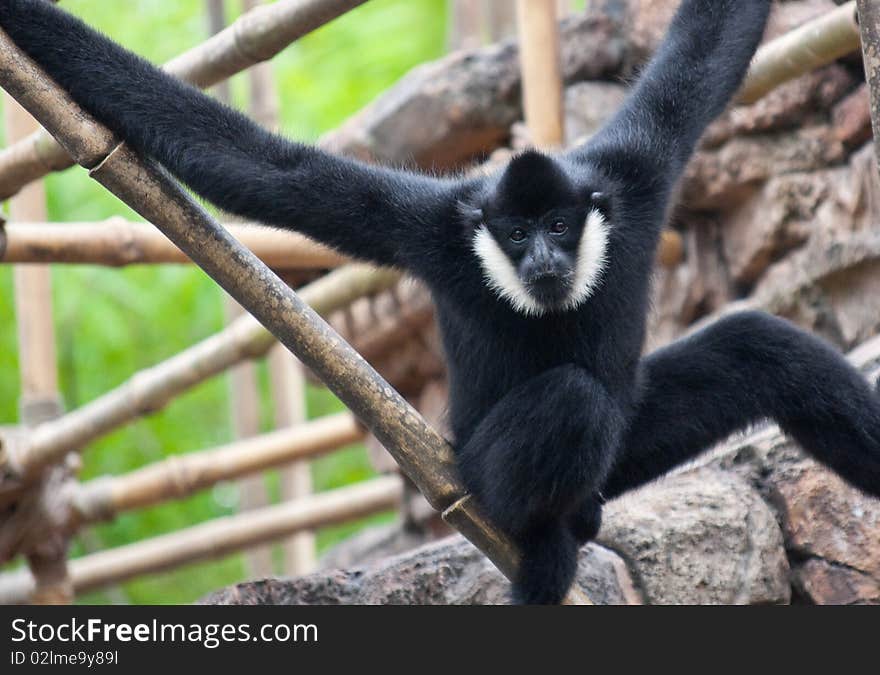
(550, 290)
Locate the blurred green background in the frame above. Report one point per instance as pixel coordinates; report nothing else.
(110, 323)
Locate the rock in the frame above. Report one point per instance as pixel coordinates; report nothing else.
(807, 98)
(588, 105)
(836, 530)
(699, 538)
(824, 583)
(772, 223)
(444, 114)
(451, 571)
(851, 118)
(724, 178)
(831, 530)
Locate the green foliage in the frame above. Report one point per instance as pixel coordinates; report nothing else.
(110, 323)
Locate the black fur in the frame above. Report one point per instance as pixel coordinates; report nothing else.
(549, 412)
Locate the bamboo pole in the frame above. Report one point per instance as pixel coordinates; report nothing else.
(117, 242)
(869, 25)
(218, 537)
(151, 389)
(180, 476)
(423, 455)
(40, 399)
(216, 11)
(289, 397)
(256, 36)
(244, 393)
(541, 71)
(465, 29)
(802, 50)
(501, 18)
(286, 375)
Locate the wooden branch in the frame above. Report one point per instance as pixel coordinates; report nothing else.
(422, 453)
(256, 36)
(182, 475)
(151, 389)
(541, 71)
(869, 25)
(218, 537)
(806, 48)
(117, 242)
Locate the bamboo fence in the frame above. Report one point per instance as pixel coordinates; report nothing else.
(27, 458)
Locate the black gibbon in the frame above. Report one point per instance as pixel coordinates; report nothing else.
(540, 273)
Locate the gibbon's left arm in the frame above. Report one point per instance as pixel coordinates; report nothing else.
(381, 215)
(694, 74)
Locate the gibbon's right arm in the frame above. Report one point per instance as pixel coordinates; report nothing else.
(381, 215)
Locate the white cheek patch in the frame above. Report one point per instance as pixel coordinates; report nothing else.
(591, 259)
(501, 275)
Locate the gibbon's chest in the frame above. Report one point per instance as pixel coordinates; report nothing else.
(491, 352)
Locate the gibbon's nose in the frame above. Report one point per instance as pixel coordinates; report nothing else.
(541, 268)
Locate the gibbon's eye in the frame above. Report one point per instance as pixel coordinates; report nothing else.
(518, 235)
(558, 227)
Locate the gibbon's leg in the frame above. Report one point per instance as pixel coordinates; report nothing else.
(533, 460)
(586, 520)
(738, 371)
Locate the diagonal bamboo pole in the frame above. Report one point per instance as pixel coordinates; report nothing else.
(421, 452)
(812, 45)
(256, 36)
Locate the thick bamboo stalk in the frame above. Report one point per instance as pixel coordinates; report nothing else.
(286, 375)
(244, 409)
(151, 389)
(812, 45)
(218, 537)
(244, 394)
(869, 25)
(422, 453)
(40, 399)
(216, 12)
(256, 36)
(289, 397)
(180, 476)
(541, 71)
(117, 242)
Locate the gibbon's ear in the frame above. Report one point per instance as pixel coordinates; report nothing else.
(470, 214)
(601, 201)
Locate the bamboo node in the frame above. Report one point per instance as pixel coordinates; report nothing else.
(96, 503)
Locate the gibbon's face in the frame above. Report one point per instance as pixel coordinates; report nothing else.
(541, 244)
